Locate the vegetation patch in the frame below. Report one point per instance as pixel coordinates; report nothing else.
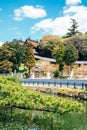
(22, 108)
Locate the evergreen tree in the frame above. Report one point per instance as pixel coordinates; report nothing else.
(73, 29)
(70, 54)
(29, 60)
(58, 54)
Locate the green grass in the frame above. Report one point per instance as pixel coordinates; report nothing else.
(24, 119)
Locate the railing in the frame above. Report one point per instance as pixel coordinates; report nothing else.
(82, 84)
(54, 60)
(17, 75)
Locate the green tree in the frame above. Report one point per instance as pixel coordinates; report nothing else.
(5, 52)
(6, 66)
(47, 45)
(73, 29)
(58, 54)
(80, 42)
(13, 52)
(5, 55)
(29, 60)
(18, 54)
(70, 55)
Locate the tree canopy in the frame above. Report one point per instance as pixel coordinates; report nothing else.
(47, 45)
(29, 60)
(73, 29)
(13, 53)
(80, 43)
(58, 54)
(70, 54)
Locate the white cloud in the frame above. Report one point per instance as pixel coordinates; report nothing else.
(73, 2)
(1, 43)
(59, 25)
(75, 9)
(29, 12)
(80, 14)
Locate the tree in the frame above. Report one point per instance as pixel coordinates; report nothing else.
(73, 29)
(5, 52)
(29, 60)
(47, 45)
(58, 54)
(6, 66)
(80, 43)
(18, 54)
(5, 63)
(13, 52)
(70, 55)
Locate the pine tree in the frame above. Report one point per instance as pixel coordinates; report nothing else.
(73, 29)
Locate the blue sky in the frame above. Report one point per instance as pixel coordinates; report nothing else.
(20, 19)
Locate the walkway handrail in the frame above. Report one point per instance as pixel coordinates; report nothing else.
(75, 83)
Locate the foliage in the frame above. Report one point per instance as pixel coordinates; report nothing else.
(56, 73)
(29, 60)
(5, 52)
(18, 54)
(70, 92)
(73, 29)
(12, 94)
(12, 53)
(47, 45)
(6, 66)
(58, 53)
(81, 45)
(50, 37)
(70, 54)
(64, 91)
(23, 119)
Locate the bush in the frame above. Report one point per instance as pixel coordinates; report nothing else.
(56, 74)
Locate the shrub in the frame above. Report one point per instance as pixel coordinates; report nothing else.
(56, 74)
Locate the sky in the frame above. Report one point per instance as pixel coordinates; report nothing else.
(21, 19)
